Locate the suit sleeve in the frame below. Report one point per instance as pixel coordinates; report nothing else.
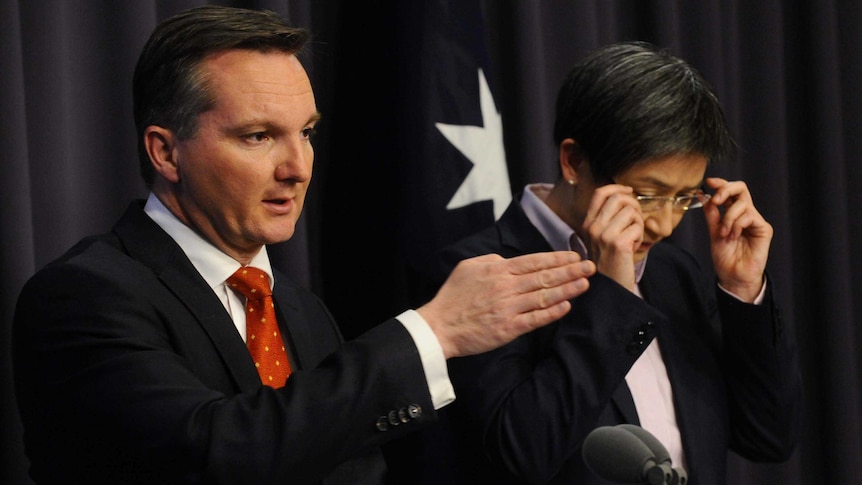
(112, 389)
(763, 378)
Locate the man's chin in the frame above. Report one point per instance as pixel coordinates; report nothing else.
(279, 240)
(280, 235)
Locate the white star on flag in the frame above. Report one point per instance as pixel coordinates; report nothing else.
(483, 146)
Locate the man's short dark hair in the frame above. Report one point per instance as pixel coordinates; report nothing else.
(168, 88)
(630, 102)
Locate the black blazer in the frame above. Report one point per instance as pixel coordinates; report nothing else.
(523, 411)
(128, 369)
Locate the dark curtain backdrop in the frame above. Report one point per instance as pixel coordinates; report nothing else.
(788, 74)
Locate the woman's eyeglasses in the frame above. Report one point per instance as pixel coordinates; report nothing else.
(680, 203)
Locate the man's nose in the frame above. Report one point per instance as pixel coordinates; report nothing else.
(294, 162)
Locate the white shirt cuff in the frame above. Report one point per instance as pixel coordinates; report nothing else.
(431, 355)
(757, 301)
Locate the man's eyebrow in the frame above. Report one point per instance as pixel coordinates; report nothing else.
(258, 123)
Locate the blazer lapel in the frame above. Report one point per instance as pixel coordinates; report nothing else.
(625, 404)
(299, 337)
(517, 234)
(209, 311)
(148, 243)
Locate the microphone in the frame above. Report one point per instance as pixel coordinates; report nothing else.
(678, 476)
(619, 456)
(623, 455)
(655, 446)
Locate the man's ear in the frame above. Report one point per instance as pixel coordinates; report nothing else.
(572, 160)
(161, 146)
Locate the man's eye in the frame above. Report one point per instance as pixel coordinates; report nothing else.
(309, 132)
(257, 137)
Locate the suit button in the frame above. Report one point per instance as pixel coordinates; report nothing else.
(403, 416)
(414, 410)
(393, 418)
(383, 424)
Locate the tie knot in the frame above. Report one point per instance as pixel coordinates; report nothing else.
(251, 282)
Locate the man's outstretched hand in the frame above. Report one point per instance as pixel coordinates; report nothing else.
(488, 301)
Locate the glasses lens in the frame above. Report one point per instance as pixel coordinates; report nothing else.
(686, 202)
(692, 201)
(650, 203)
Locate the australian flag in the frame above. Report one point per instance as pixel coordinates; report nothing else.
(452, 168)
(414, 160)
(453, 178)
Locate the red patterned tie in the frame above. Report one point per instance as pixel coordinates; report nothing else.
(262, 334)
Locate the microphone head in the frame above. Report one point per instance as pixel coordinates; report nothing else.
(680, 477)
(655, 446)
(617, 455)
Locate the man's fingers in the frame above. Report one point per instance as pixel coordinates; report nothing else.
(488, 301)
(543, 293)
(553, 277)
(546, 298)
(531, 263)
(540, 317)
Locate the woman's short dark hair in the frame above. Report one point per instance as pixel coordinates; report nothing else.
(168, 88)
(631, 102)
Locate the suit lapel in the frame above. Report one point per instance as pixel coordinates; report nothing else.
(300, 339)
(517, 234)
(148, 243)
(209, 311)
(625, 404)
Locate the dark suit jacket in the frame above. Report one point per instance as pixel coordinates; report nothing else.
(523, 411)
(129, 370)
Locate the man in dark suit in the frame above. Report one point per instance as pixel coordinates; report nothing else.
(137, 353)
(704, 367)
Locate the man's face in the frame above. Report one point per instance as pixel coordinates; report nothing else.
(244, 175)
(666, 177)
